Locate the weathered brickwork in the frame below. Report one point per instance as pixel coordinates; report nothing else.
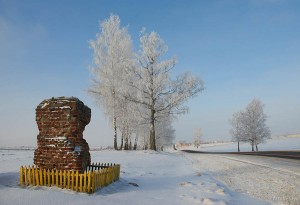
(61, 122)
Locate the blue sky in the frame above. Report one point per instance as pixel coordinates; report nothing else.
(241, 49)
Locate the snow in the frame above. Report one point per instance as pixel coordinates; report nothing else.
(171, 177)
(58, 138)
(45, 104)
(65, 107)
(50, 145)
(146, 178)
(271, 179)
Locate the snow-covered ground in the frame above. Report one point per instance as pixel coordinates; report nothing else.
(271, 179)
(172, 177)
(162, 178)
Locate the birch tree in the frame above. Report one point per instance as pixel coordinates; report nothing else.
(197, 137)
(237, 130)
(250, 126)
(254, 120)
(112, 51)
(165, 133)
(155, 90)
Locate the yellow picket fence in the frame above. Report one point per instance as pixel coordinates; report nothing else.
(89, 181)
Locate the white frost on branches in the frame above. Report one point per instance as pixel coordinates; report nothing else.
(112, 55)
(136, 90)
(250, 126)
(161, 96)
(197, 137)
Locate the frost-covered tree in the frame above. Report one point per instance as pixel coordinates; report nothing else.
(197, 138)
(160, 95)
(254, 120)
(112, 54)
(165, 133)
(249, 125)
(237, 130)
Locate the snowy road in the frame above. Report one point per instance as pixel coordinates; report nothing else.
(281, 154)
(272, 179)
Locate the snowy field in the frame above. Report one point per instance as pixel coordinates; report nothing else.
(172, 178)
(162, 178)
(277, 143)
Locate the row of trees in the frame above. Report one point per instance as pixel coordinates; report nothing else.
(135, 89)
(249, 125)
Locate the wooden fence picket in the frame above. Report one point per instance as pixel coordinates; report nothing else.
(68, 186)
(89, 182)
(85, 183)
(48, 176)
(52, 176)
(21, 175)
(45, 177)
(37, 178)
(77, 178)
(80, 185)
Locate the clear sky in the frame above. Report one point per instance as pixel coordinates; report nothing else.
(241, 49)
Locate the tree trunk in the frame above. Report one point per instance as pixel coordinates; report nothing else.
(174, 147)
(122, 140)
(252, 147)
(126, 146)
(115, 133)
(256, 147)
(238, 145)
(130, 145)
(152, 131)
(135, 143)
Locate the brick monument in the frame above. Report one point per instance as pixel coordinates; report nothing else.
(61, 122)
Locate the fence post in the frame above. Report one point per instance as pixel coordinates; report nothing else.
(89, 181)
(29, 175)
(94, 181)
(21, 175)
(25, 175)
(61, 177)
(43, 181)
(80, 180)
(76, 187)
(33, 177)
(84, 182)
(52, 176)
(68, 187)
(48, 177)
(73, 179)
(65, 180)
(56, 183)
(36, 175)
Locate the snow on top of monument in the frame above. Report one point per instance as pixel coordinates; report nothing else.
(57, 138)
(64, 98)
(59, 100)
(65, 107)
(45, 105)
(50, 145)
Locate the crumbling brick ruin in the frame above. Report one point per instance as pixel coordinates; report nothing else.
(61, 146)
